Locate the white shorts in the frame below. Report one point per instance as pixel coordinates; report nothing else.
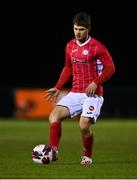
(80, 103)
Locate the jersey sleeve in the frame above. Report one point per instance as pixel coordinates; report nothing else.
(108, 65)
(66, 72)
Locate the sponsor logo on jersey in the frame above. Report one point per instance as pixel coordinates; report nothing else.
(79, 61)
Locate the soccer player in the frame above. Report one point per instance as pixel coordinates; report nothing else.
(90, 64)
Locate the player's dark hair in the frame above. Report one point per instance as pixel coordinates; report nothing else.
(82, 19)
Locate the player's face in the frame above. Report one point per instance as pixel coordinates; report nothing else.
(81, 33)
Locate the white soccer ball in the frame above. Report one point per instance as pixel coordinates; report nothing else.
(42, 154)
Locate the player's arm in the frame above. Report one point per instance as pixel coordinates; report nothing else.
(65, 75)
(52, 93)
(108, 66)
(109, 69)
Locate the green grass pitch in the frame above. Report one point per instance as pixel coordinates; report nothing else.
(114, 153)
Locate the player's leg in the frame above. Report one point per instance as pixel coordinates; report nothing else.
(90, 113)
(69, 106)
(59, 113)
(87, 139)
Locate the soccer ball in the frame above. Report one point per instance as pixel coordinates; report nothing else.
(42, 154)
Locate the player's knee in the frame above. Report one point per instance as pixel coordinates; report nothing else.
(54, 117)
(84, 131)
(85, 126)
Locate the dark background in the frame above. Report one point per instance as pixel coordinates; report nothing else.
(34, 35)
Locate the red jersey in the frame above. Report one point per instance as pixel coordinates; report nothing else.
(86, 62)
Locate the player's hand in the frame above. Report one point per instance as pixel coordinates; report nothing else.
(91, 89)
(51, 94)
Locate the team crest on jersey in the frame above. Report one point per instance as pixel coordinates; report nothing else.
(85, 52)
